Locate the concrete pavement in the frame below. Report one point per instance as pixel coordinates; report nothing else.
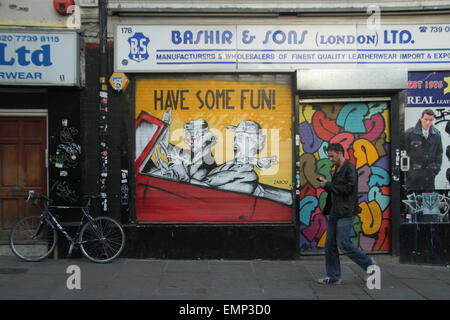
(216, 280)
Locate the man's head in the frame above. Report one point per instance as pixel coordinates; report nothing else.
(198, 136)
(248, 139)
(335, 153)
(427, 119)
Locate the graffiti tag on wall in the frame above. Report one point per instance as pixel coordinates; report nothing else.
(65, 159)
(363, 131)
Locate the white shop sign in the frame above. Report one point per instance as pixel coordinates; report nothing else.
(39, 58)
(153, 48)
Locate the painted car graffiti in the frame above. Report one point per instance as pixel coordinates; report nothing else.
(363, 130)
(163, 197)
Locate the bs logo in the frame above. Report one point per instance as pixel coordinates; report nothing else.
(138, 47)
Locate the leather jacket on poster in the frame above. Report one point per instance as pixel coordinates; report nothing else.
(425, 157)
(342, 199)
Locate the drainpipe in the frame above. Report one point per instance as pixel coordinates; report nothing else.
(103, 112)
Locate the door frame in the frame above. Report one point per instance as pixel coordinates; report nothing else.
(30, 113)
(340, 99)
(392, 101)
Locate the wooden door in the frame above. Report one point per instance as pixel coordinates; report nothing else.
(22, 165)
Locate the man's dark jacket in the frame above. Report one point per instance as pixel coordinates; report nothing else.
(425, 156)
(342, 199)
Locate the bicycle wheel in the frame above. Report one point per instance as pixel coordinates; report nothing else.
(105, 242)
(33, 239)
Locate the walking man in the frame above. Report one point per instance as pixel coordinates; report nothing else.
(341, 206)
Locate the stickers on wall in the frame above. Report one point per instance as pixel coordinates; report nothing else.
(124, 187)
(119, 81)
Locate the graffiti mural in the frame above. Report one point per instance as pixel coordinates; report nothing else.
(214, 150)
(363, 130)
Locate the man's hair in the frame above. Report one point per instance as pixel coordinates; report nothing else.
(336, 147)
(428, 112)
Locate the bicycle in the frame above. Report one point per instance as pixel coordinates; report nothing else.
(34, 237)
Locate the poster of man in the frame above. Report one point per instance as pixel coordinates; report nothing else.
(423, 144)
(427, 131)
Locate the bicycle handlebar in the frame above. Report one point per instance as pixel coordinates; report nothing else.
(30, 195)
(35, 197)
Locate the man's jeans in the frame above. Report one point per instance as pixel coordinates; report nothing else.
(338, 235)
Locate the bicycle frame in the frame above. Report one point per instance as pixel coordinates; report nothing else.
(47, 214)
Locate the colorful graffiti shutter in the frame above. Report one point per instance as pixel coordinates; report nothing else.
(363, 130)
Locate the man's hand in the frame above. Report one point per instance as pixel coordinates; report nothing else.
(322, 182)
(264, 163)
(167, 116)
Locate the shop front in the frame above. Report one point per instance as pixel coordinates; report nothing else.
(229, 124)
(39, 119)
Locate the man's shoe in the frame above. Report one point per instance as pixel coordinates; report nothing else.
(329, 280)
